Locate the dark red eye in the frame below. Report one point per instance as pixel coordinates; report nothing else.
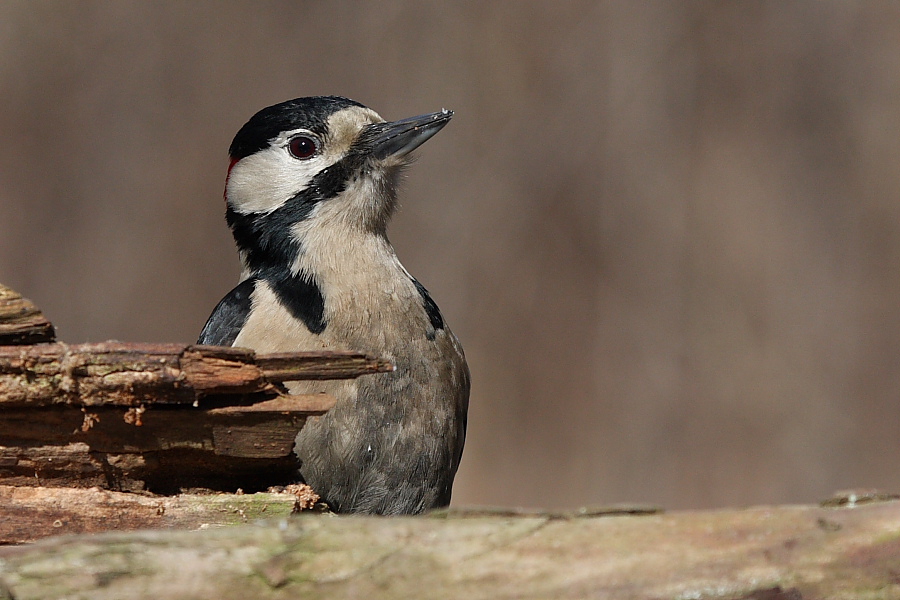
(302, 147)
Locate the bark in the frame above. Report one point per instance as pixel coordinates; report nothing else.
(771, 553)
(157, 417)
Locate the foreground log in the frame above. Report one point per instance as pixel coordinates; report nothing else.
(778, 553)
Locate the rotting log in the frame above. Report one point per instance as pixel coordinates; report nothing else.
(158, 417)
(766, 553)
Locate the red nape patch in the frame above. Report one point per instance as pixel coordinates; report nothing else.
(233, 162)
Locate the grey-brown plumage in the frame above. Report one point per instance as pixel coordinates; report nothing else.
(309, 194)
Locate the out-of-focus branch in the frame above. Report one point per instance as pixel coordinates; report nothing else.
(20, 320)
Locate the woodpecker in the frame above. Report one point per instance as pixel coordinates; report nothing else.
(310, 190)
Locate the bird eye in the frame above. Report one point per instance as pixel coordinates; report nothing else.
(302, 147)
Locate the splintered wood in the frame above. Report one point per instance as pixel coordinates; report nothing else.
(152, 417)
(117, 374)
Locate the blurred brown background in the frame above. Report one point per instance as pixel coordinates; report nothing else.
(667, 234)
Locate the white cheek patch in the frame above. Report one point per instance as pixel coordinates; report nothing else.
(264, 181)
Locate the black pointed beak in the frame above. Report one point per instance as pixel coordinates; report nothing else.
(399, 138)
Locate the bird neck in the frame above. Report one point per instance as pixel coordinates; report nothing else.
(336, 254)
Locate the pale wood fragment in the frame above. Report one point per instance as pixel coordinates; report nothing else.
(32, 513)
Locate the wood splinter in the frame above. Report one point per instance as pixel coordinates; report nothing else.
(132, 374)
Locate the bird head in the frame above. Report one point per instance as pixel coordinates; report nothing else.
(313, 163)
